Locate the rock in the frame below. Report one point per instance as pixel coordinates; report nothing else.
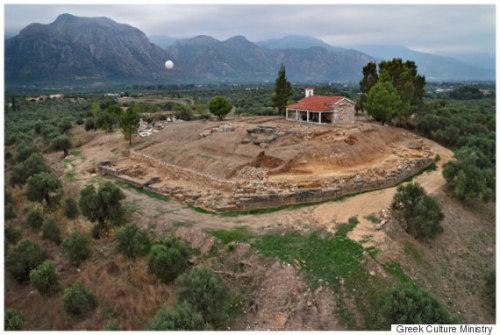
(253, 136)
(245, 141)
(271, 138)
(291, 132)
(273, 128)
(204, 134)
(226, 128)
(281, 133)
(358, 179)
(257, 141)
(254, 130)
(263, 145)
(372, 273)
(378, 226)
(193, 196)
(213, 130)
(105, 163)
(154, 180)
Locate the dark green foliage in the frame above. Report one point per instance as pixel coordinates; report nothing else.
(44, 187)
(448, 137)
(383, 102)
(183, 317)
(479, 143)
(105, 120)
(168, 259)
(185, 113)
(421, 212)
(70, 207)
(23, 151)
(470, 176)
(490, 288)
(76, 248)
(34, 219)
(102, 207)
(409, 85)
(205, 291)
(132, 241)
(406, 304)
(466, 93)
(24, 258)
(51, 231)
(130, 124)
(219, 106)
(23, 170)
(12, 234)
(61, 142)
(370, 78)
(45, 279)
(65, 125)
(282, 91)
(90, 124)
(10, 206)
(14, 320)
(78, 300)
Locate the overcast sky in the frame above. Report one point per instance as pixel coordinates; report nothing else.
(428, 28)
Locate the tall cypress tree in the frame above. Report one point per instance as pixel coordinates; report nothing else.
(282, 90)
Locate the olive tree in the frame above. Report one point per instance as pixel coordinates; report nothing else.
(102, 206)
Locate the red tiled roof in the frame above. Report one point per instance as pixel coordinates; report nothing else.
(316, 103)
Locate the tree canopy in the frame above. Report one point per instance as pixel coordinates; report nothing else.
(383, 102)
(421, 212)
(404, 76)
(44, 187)
(130, 124)
(219, 106)
(282, 91)
(61, 142)
(103, 206)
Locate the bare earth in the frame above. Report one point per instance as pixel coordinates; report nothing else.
(283, 301)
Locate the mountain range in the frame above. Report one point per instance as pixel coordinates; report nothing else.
(82, 51)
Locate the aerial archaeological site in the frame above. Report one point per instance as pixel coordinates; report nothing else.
(298, 182)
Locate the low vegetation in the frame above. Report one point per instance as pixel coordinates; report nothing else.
(78, 300)
(45, 279)
(168, 259)
(422, 213)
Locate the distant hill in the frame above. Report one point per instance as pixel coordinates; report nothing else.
(433, 66)
(296, 42)
(163, 41)
(80, 49)
(88, 51)
(206, 59)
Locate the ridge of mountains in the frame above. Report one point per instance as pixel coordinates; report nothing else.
(97, 50)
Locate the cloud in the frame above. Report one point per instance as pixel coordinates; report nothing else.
(432, 28)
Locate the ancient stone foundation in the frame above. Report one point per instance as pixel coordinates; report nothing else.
(233, 196)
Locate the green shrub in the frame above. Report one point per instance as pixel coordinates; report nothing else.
(12, 234)
(24, 258)
(45, 279)
(14, 320)
(102, 206)
(78, 300)
(205, 291)
(184, 317)
(77, 248)
(470, 176)
(70, 207)
(10, 206)
(51, 231)
(422, 212)
(44, 187)
(132, 241)
(34, 219)
(168, 259)
(23, 170)
(407, 304)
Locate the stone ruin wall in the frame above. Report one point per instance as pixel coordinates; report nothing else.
(186, 174)
(244, 202)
